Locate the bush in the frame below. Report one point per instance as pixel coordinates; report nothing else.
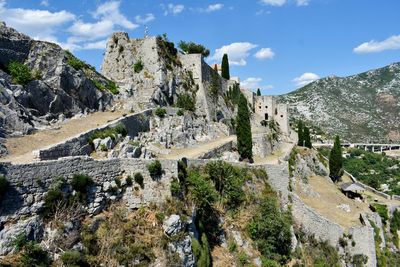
(160, 112)
(109, 86)
(34, 255)
(193, 48)
(74, 62)
(73, 259)
(129, 181)
(80, 183)
(138, 177)
(3, 186)
(19, 72)
(19, 241)
(138, 67)
(108, 132)
(176, 188)
(52, 198)
(382, 210)
(186, 102)
(180, 112)
(155, 168)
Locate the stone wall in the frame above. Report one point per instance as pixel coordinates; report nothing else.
(30, 182)
(216, 152)
(78, 145)
(363, 237)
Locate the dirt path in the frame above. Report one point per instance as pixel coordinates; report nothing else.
(198, 150)
(20, 148)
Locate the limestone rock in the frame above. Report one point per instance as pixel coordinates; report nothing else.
(173, 225)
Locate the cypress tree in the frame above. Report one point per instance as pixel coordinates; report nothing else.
(225, 67)
(216, 68)
(300, 136)
(258, 92)
(307, 138)
(336, 161)
(243, 130)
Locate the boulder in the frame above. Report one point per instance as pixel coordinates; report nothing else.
(173, 225)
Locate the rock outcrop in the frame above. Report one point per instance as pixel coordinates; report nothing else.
(60, 85)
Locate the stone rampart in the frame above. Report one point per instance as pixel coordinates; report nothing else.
(78, 145)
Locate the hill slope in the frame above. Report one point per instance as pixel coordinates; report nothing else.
(363, 107)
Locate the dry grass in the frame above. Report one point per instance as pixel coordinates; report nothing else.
(329, 198)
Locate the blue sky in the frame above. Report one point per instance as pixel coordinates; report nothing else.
(277, 45)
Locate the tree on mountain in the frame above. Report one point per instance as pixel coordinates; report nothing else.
(243, 130)
(336, 161)
(193, 48)
(225, 67)
(258, 92)
(300, 135)
(216, 68)
(307, 137)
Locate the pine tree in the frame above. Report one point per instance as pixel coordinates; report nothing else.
(307, 137)
(243, 130)
(300, 135)
(216, 68)
(258, 92)
(225, 67)
(336, 161)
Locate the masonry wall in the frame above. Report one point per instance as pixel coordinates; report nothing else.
(30, 182)
(78, 145)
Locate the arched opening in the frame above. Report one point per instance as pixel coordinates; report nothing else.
(276, 111)
(266, 116)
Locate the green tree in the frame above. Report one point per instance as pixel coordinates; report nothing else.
(193, 48)
(336, 161)
(225, 67)
(258, 92)
(243, 130)
(300, 135)
(307, 138)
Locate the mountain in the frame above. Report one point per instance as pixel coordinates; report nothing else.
(360, 108)
(40, 82)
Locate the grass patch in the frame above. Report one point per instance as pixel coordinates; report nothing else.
(109, 86)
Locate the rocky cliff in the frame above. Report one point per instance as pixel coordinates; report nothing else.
(40, 82)
(360, 108)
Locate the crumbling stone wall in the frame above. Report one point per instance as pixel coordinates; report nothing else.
(78, 145)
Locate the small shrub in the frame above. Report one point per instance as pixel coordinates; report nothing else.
(19, 72)
(155, 168)
(80, 182)
(129, 181)
(138, 67)
(180, 112)
(34, 255)
(186, 102)
(138, 177)
(117, 182)
(109, 132)
(73, 258)
(103, 147)
(3, 185)
(160, 216)
(242, 258)
(175, 188)
(353, 243)
(160, 112)
(342, 242)
(19, 241)
(74, 62)
(52, 198)
(232, 247)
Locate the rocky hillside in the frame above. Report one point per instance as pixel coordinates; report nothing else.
(360, 108)
(40, 82)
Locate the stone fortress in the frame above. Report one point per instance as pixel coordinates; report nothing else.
(160, 82)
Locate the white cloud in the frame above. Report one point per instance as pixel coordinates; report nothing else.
(273, 2)
(254, 83)
(89, 31)
(305, 79)
(264, 53)
(96, 45)
(39, 24)
(172, 9)
(214, 7)
(237, 53)
(145, 19)
(44, 3)
(110, 11)
(302, 2)
(391, 43)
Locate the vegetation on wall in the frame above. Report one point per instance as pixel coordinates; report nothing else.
(112, 132)
(76, 63)
(109, 86)
(193, 48)
(186, 102)
(138, 66)
(168, 51)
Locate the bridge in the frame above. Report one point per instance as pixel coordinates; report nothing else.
(366, 146)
